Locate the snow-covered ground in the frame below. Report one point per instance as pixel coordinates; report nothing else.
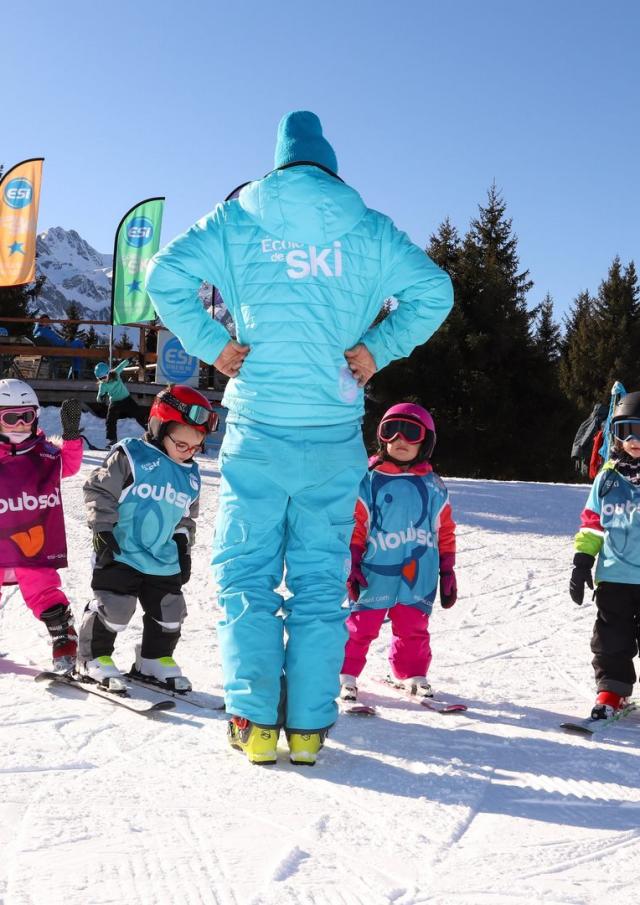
(496, 806)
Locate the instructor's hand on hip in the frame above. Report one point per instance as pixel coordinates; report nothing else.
(230, 360)
(361, 363)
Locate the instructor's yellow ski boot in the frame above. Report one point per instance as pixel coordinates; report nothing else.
(257, 742)
(304, 746)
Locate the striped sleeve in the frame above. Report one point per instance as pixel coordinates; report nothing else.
(590, 537)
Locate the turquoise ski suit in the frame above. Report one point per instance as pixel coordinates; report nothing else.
(304, 267)
(114, 389)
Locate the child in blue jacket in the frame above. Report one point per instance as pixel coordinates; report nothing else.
(611, 531)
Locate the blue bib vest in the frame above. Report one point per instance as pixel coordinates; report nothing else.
(151, 508)
(401, 561)
(619, 510)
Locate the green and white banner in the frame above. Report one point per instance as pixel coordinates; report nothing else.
(137, 240)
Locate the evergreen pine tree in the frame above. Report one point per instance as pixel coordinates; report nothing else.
(497, 422)
(20, 301)
(73, 331)
(547, 333)
(617, 328)
(579, 379)
(489, 375)
(424, 376)
(93, 339)
(124, 344)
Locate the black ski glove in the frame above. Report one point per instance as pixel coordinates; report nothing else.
(581, 576)
(70, 412)
(105, 545)
(184, 557)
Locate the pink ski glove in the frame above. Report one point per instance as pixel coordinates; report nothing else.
(448, 583)
(356, 579)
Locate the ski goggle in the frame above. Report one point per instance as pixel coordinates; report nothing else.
(411, 431)
(625, 430)
(197, 415)
(13, 417)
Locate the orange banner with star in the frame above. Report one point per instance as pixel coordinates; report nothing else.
(19, 200)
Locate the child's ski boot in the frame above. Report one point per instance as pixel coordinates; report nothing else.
(257, 742)
(161, 671)
(59, 622)
(348, 689)
(304, 746)
(419, 686)
(104, 672)
(606, 705)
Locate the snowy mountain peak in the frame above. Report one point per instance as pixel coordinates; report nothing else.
(77, 273)
(67, 246)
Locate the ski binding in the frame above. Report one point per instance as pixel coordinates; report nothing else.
(590, 727)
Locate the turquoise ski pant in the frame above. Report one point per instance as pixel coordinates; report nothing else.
(287, 499)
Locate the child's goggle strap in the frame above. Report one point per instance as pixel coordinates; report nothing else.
(194, 414)
(412, 431)
(623, 430)
(12, 417)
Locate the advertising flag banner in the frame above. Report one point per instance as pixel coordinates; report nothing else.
(137, 240)
(174, 365)
(19, 200)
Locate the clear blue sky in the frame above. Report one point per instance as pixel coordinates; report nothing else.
(426, 103)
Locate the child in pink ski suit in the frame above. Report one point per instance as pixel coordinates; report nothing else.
(403, 541)
(32, 535)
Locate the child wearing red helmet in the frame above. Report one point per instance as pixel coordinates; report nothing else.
(141, 506)
(403, 542)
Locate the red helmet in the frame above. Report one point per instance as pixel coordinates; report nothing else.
(186, 406)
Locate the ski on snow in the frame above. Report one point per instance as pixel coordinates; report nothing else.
(119, 700)
(436, 705)
(189, 697)
(592, 727)
(355, 708)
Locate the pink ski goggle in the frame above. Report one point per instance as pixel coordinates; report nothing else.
(411, 431)
(13, 417)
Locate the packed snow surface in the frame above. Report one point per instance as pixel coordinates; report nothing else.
(494, 806)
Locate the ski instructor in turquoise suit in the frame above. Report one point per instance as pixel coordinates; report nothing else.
(304, 267)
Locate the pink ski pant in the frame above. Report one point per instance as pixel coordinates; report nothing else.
(410, 653)
(40, 587)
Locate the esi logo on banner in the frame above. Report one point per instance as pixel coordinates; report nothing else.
(137, 240)
(174, 365)
(19, 201)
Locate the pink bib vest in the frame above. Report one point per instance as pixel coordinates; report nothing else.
(31, 517)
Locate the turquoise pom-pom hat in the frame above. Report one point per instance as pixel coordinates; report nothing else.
(300, 139)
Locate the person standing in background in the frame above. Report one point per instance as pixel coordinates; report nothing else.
(120, 405)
